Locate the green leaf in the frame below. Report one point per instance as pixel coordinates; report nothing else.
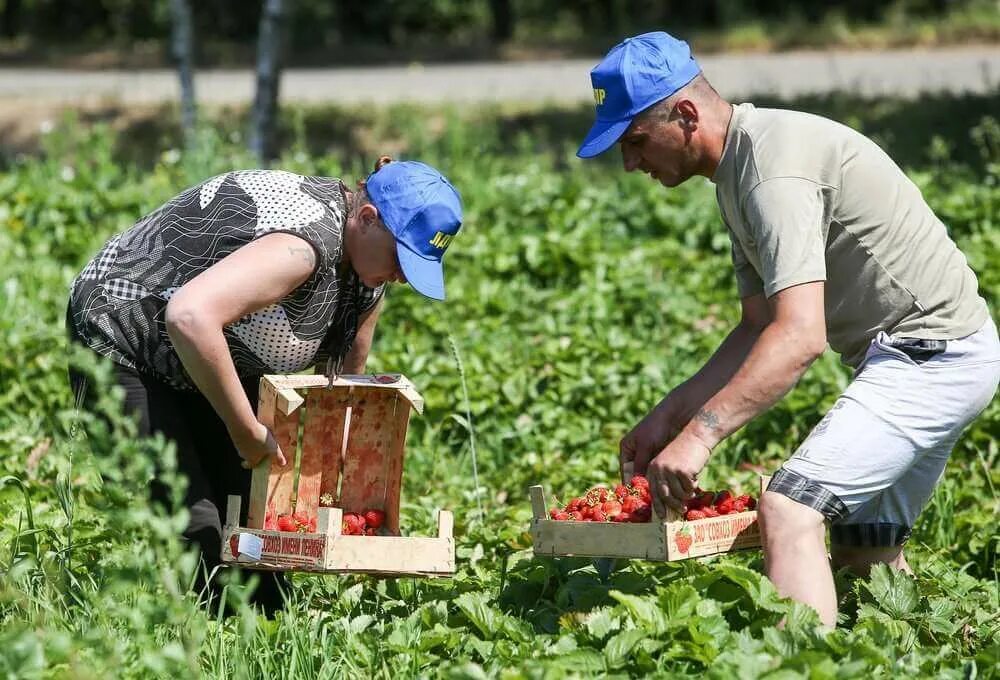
(894, 591)
(644, 611)
(619, 647)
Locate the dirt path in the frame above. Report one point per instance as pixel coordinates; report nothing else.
(902, 73)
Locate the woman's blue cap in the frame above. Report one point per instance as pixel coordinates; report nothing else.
(424, 212)
(634, 75)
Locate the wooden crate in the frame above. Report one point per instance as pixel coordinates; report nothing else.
(348, 438)
(665, 540)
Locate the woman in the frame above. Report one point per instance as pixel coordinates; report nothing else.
(248, 273)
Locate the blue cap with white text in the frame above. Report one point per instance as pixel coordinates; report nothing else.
(424, 212)
(633, 76)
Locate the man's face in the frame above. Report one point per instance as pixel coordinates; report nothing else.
(660, 147)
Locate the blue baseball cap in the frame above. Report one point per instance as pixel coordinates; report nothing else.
(424, 212)
(634, 75)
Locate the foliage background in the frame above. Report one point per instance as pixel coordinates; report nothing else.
(325, 32)
(578, 296)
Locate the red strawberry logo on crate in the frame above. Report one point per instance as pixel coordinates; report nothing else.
(234, 545)
(683, 540)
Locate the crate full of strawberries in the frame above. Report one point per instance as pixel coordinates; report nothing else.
(619, 522)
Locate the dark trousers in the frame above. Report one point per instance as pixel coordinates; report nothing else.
(206, 457)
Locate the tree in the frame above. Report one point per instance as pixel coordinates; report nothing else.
(265, 106)
(182, 51)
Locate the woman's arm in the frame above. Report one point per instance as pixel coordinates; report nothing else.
(251, 278)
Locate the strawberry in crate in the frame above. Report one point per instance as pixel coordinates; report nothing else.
(711, 504)
(625, 503)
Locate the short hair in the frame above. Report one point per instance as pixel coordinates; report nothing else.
(699, 89)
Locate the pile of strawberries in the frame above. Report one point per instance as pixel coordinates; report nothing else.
(297, 522)
(626, 503)
(711, 504)
(365, 523)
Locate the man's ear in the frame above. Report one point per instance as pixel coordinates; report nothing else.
(688, 111)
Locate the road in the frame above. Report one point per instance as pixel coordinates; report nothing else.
(904, 73)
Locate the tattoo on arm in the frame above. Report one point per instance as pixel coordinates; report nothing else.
(305, 252)
(708, 419)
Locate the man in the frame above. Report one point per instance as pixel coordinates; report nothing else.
(831, 243)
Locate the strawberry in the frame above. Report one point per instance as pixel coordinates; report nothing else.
(622, 517)
(723, 496)
(374, 518)
(574, 504)
(553, 512)
(630, 504)
(560, 515)
(353, 524)
(682, 539)
(304, 524)
(694, 514)
(725, 507)
(748, 501)
(576, 515)
(693, 503)
(621, 492)
(639, 482)
(739, 505)
(597, 515)
(370, 531)
(710, 512)
(286, 523)
(611, 508)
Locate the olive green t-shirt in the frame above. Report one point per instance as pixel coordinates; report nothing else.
(808, 199)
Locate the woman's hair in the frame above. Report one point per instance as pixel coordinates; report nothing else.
(361, 195)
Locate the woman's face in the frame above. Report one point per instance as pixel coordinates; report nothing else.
(371, 248)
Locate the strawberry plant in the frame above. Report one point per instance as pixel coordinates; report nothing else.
(577, 296)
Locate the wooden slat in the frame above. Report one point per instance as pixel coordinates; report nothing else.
(712, 535)
(365, 460)
(296, 381)
(395, 452)
(330, 521)
(392, 554)
(288, 400)
(537, 501)
(597, 539)
(233, 510)
(261, 475)
(322, 448)
(281, 480)
(446, 524)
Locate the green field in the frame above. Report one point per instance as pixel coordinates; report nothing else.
(578, 296)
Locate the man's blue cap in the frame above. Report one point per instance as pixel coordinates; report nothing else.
(424, 212)
(634, 75)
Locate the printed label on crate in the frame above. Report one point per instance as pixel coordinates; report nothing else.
(722, 533)
(247, 544)
(283, 548)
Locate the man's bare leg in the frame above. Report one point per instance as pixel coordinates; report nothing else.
(860, 559)
(795, 556)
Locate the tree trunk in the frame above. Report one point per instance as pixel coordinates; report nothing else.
(265, 106)
(10, 21)
(182, 51)
(503, 20)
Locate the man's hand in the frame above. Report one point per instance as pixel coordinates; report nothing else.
(672, 474)
(653, 432)
(257, 444)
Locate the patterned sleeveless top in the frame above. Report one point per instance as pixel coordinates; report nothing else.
(117, 302)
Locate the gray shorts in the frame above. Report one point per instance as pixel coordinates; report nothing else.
(872, 462)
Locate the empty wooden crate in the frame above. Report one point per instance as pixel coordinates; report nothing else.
(344, 441)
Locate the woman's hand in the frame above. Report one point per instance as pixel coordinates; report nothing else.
(256, 443)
